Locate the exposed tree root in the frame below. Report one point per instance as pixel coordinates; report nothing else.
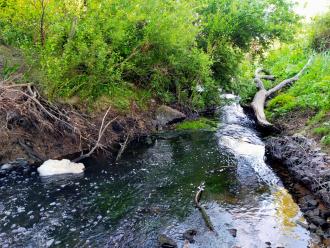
(31, 125)
(102, 129)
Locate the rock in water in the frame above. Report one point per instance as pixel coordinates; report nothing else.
(7, 167)
(166, 242)
(56, 167)
(233, 232)
(189, 235)
(166, 115)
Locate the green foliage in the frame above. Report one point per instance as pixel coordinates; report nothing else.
(320, 33)
(174, 50)
(243, 84)
(312, 91)
(8, 70)
(10, 62)
(201, 123)
(232, 27)
(324, 132)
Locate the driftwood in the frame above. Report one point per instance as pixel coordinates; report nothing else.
(260, 98)
(205, 216)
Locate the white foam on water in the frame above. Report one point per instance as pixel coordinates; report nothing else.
(229, 97)
(243, 147)
(57, 167)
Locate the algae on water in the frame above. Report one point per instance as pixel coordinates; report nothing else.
(201, 123)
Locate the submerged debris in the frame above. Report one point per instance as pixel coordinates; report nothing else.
(205, 216)
(233, 232)
(189, 235)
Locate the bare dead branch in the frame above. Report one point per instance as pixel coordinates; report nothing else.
(36, 101)
(17, 85)
(258, 76)
(259, 100)
(289, 80)
(205, 216)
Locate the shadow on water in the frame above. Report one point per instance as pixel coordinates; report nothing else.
(150, 191)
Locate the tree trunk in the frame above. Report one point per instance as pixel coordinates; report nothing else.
(42, 23)
(260, 98)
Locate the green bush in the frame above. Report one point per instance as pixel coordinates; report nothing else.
(320, 33)
(312, 91)
(175, 50)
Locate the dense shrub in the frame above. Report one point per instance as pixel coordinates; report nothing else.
(172, 50)
(234, 27)
(320, 33)
(312, 90)
(311, 93)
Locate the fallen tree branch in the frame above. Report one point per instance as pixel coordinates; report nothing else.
(205, 216)
(17, 85)
(259, 100)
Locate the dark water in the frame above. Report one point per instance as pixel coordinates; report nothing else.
(150, 192)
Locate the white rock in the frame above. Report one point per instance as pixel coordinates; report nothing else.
(57, 167)
(49, 242)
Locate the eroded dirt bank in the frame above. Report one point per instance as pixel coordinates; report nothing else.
(25, 139)
(33, 130)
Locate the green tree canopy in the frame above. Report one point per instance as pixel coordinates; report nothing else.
(176, 50)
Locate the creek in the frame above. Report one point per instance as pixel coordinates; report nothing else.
(150, 191)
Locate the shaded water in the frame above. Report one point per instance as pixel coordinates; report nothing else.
(150, 191)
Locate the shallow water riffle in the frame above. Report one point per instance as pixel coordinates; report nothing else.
(150, 191)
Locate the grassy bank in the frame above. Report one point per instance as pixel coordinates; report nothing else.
(307, 100)
(304, 106)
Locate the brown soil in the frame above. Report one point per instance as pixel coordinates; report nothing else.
(297, 122)
(22, 135)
